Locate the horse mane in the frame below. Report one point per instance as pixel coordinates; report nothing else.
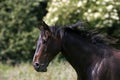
(79, 29)
(90, 35)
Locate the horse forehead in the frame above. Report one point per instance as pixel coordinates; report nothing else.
(42, 34)
(39, 39)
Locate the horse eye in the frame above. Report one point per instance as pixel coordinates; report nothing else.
(44, 41)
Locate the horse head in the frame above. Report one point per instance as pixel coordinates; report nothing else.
(48, 46)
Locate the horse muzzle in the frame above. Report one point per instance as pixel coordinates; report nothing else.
(40, 67)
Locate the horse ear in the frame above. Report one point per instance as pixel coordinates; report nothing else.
(43, 26)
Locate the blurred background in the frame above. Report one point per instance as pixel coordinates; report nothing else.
(19, 33)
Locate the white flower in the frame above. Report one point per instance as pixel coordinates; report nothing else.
(54, 9)
(109, 8)
(79, 4)
(85, 14)
(106, 15)
(107, 0)
(93, 0)
(103, 3)
(66, 1)
(89, 10)
(100, 9)
(78, 11)
(54, 19)
(84, 1)
(96, 15)
(98, 2)
(115, 17)
(115, 10)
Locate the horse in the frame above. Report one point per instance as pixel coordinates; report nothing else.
(91, 59)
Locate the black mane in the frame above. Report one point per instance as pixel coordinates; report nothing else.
(78, 29)
(88, 35)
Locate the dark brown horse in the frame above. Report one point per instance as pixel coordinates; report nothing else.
(91, 61)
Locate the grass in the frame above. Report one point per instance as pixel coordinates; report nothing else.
(25, 71)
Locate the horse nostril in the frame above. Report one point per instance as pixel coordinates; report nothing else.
(36, 64)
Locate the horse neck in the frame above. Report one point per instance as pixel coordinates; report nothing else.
(77, 50)
(82, 54)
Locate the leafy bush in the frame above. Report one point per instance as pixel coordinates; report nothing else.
(18, 34)
(99, 13)
(102, 15)
(18, 19)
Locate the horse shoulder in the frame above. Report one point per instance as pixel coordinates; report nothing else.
(106, 67)
(102, 70)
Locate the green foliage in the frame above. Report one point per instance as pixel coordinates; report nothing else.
(99, 13)
(18, 34)
(18, 19)
(102, 15)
